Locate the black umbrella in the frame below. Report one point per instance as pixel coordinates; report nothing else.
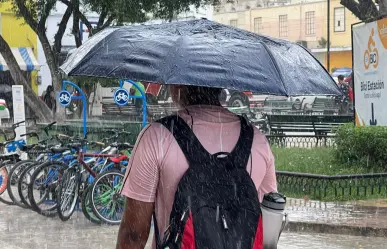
(202, 53)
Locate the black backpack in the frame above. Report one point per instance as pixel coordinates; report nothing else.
(216, 204)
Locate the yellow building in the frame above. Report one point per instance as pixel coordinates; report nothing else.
(303, 22)
(23, 42)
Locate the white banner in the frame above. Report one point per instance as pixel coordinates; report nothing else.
(19, 113)
(370, 71)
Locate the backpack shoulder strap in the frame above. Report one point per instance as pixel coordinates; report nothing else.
(194, 150)
(188, 142)
(242, 149)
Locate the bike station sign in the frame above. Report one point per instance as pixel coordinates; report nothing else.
(369, 64)
(64, 98)
(121, 96)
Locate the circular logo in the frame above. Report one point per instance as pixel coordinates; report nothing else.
(64, 98)
(121, 96)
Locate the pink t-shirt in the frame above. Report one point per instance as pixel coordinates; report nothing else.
(157, 163)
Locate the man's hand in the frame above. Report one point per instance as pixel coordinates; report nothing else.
(135, 225)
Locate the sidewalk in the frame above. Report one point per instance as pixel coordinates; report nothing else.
(362, 218)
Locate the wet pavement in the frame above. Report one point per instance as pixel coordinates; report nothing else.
(24, 229)
(371, 214)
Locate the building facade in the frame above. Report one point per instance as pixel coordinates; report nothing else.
(299, 21)
(24, 45)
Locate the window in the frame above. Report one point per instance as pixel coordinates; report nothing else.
(339, 19)
(258, 24)
(283, 25)
(234, 23)
(309, 23)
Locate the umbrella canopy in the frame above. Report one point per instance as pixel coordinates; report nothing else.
(202, 53)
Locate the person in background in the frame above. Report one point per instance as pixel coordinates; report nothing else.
(349, 81)
(344, 99)
(157, 163)
(138, 101)
(49, 97)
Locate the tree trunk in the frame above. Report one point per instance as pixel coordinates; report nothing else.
(52, 62)
(39, 108)
(383, 8)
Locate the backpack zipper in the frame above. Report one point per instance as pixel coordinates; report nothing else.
(183, 219)
(225, 226)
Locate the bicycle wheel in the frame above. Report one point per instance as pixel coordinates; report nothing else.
(4, 196)
(87, 210)
(106, 201)
(3, 179)
(14, 177)
(68, 194)
(43, 188)
(25, 179)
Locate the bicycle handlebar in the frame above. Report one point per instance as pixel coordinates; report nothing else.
(48, 127)
(31, 134)
(18, 123)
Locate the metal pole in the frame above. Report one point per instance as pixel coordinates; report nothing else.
(328, 35)
(353, 78)
(84, 116)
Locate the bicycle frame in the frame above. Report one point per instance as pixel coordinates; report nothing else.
(82, 155)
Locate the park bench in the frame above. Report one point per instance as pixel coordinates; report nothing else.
(248, 113)
(154, 111)
(277, 106)
(320, 125)
(324, 106)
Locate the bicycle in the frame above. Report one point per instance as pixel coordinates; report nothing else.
(73, 181)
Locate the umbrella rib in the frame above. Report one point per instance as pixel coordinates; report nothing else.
(276, 67)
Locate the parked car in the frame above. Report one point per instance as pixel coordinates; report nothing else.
(235, 98)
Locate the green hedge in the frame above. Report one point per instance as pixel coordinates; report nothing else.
(366, 146)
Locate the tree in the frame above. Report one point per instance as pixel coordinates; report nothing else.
(366, 9)
(41, 110)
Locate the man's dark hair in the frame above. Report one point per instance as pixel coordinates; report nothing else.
(340, 77)
(197, 95)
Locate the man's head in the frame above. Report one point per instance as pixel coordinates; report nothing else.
(195, 95)
(341, 78)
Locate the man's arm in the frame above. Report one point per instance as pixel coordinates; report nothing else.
(269, 182)
(135, 225)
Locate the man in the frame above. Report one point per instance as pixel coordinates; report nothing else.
(343, 100)
(157, 163)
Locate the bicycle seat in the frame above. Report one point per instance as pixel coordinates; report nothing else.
(27, 147)
(76, 145)
(124, 146)
(9, 157)
(40, 147)
(118, 159)
(59, 150)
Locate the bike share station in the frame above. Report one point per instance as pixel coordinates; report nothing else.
(121, 97)
(369, 62)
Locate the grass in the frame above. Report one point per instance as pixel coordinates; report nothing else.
(315, 161)
(321, 161)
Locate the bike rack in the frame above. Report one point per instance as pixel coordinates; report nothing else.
(143, 97)
(82, 97)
